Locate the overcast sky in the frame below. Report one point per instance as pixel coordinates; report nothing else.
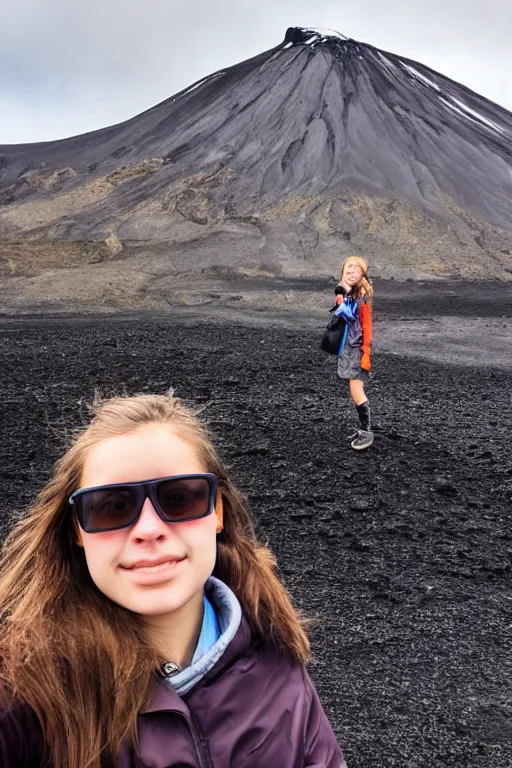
(71, 66)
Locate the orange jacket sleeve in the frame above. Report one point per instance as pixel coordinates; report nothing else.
(366, 326)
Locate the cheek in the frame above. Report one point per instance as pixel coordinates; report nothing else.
(100, 550)
(200, 535)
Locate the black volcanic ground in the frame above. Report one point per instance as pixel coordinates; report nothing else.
(403, 553)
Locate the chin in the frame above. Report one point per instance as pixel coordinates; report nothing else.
(153, 606)
(158, 602)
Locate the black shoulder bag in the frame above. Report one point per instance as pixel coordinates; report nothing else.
(334, 329)
(333, 333)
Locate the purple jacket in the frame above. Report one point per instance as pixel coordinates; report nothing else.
(252, 710)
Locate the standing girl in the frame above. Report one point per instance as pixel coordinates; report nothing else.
(354, 299)
(141, 624)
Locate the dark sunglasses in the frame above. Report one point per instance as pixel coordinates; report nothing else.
(175, 499)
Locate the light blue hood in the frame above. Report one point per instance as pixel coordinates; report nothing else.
(220, 625)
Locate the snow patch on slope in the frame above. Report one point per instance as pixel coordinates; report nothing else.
(420, 76)
(320, 35)
(311, 36)
(458, 106)
(455, 105)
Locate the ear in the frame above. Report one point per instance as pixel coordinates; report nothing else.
(219, 512)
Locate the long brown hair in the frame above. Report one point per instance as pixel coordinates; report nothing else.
(81, 662)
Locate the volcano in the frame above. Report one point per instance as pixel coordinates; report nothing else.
(281, 165)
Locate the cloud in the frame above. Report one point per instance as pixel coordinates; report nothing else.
(67, 68)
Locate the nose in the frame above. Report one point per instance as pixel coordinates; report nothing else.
(149, 527)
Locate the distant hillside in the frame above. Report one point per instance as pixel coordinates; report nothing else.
(283, 164)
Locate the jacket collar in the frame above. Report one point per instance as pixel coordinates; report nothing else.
(164, 697)
(228, 615)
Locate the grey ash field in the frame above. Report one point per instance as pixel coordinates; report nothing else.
(402, 554)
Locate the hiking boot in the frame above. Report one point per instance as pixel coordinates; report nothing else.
(362, 441)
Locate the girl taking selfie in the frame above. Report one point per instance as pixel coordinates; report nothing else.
(141, 624)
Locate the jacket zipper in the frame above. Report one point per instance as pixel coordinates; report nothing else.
(200, 743)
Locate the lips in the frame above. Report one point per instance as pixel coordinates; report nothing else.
(152, 565)
(153, 572)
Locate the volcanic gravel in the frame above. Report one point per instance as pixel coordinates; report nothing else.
(402, 553)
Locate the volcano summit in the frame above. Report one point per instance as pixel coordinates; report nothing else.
(280, 165)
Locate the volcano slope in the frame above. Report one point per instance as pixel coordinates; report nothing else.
(402, 553)
(320, 147)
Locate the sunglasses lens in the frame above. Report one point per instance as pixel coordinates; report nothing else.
(184, 498)
(108, 509)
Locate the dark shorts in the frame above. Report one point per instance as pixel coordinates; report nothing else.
(349, 364)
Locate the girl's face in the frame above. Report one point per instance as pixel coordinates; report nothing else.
(152, 568)
(352, 274)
